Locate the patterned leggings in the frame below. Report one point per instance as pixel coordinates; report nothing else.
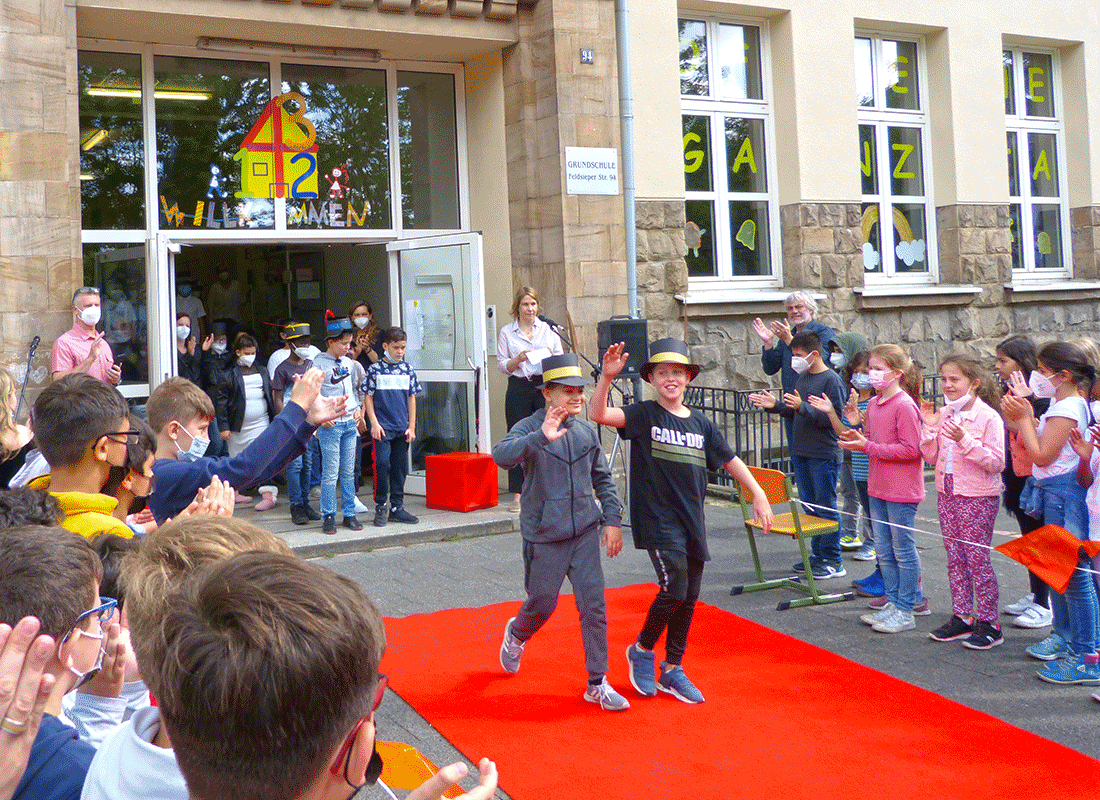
(964, 520)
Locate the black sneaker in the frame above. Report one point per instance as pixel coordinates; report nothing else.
(986, 636)
(954, 628)
(401, 515)
(311, 512)
(352, 523)
(381, 514)
(298, 515)
(328, 524)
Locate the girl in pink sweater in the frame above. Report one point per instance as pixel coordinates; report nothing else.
(966, 441)
(895, 481)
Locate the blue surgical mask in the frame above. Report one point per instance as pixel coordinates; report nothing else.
(197, 449)
(185, 291)
(861, 381)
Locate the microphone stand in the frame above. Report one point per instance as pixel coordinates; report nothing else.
(26, 376)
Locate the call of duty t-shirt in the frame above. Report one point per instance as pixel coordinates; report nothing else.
(669, 459)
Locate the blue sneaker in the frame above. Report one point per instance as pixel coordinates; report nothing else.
(871, 586)
(676, 683)
(1084, 670)
(1052, 647)
(640, 668)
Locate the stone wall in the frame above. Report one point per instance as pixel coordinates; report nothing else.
(822, 254)
(571, 248)
(40, 261)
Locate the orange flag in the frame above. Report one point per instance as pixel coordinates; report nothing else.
(1050, 552)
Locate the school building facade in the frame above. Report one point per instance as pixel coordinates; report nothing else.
(925, 171)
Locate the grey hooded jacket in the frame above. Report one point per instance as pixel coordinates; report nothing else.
(559, 479)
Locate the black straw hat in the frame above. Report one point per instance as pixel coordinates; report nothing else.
(669, 351)
(296, 330)
(565, 370)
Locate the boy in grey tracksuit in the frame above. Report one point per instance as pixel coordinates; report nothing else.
(562, 527)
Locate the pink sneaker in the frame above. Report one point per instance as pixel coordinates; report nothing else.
(242, 498)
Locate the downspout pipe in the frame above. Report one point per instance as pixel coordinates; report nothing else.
(626, 134)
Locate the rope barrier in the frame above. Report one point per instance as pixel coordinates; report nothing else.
(941, 534)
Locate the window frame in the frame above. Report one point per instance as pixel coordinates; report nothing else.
(882, 119)
(1023, 125)
(282, 232)
(717, 110)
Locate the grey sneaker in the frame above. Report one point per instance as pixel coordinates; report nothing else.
(511, 650)
(897, 622)
(608, 698)
(640, 663)
(880, 615)
(676, 683)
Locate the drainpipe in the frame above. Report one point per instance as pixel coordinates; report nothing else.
(626, 134)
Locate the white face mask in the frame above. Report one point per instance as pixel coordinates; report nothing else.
(90, 315)
(1041, 386)
(218, 347)
(302, 353)
(958, 404)
(838, 360)
(182, 331)
(246, 361)
(197, 449)
(799, 364)
(361, 322)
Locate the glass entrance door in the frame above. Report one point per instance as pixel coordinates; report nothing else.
(438, 296)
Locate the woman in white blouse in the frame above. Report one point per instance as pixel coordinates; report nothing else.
(521, 346)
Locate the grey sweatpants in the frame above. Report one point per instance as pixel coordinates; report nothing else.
(546, 565)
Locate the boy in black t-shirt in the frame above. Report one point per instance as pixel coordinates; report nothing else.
(299, 471)
(673, 447)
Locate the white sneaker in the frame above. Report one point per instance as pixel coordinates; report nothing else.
(360, 508)
(896, 623)
(880, 615)
(608, 698)
(1035, 616)
(1021, 605)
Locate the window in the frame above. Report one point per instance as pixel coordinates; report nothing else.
(893, 161)
(730, 202)
(1038, 212)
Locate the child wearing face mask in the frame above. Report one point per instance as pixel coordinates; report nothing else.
(965, 440)
(814, 451)
(1063, 374)
(895, 482)
(245, 405)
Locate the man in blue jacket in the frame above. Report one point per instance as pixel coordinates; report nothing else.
(776, 337)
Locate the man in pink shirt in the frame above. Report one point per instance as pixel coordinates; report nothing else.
(82, 349)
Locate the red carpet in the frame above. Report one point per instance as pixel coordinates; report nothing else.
(780, 719)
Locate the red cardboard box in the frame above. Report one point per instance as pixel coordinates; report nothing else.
(461, 481)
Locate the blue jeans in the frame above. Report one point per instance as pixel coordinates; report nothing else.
(896, 550)
(1075, 612)
(313, 453)
(338, 459)
(298, 474)
(816, 480)
(391, 465)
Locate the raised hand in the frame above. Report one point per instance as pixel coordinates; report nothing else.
(1017, 384)
(822, 403)
(763, 331)
(852, 440)
(792, 400)
(928, 414)
(762, 399)
(1081, 446)
(207, 343)
(435, 786)
(108, 681)
(614, 360)
(852, 415)
(551, 426)
(782, 329)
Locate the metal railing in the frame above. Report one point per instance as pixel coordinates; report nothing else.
(759, 438)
